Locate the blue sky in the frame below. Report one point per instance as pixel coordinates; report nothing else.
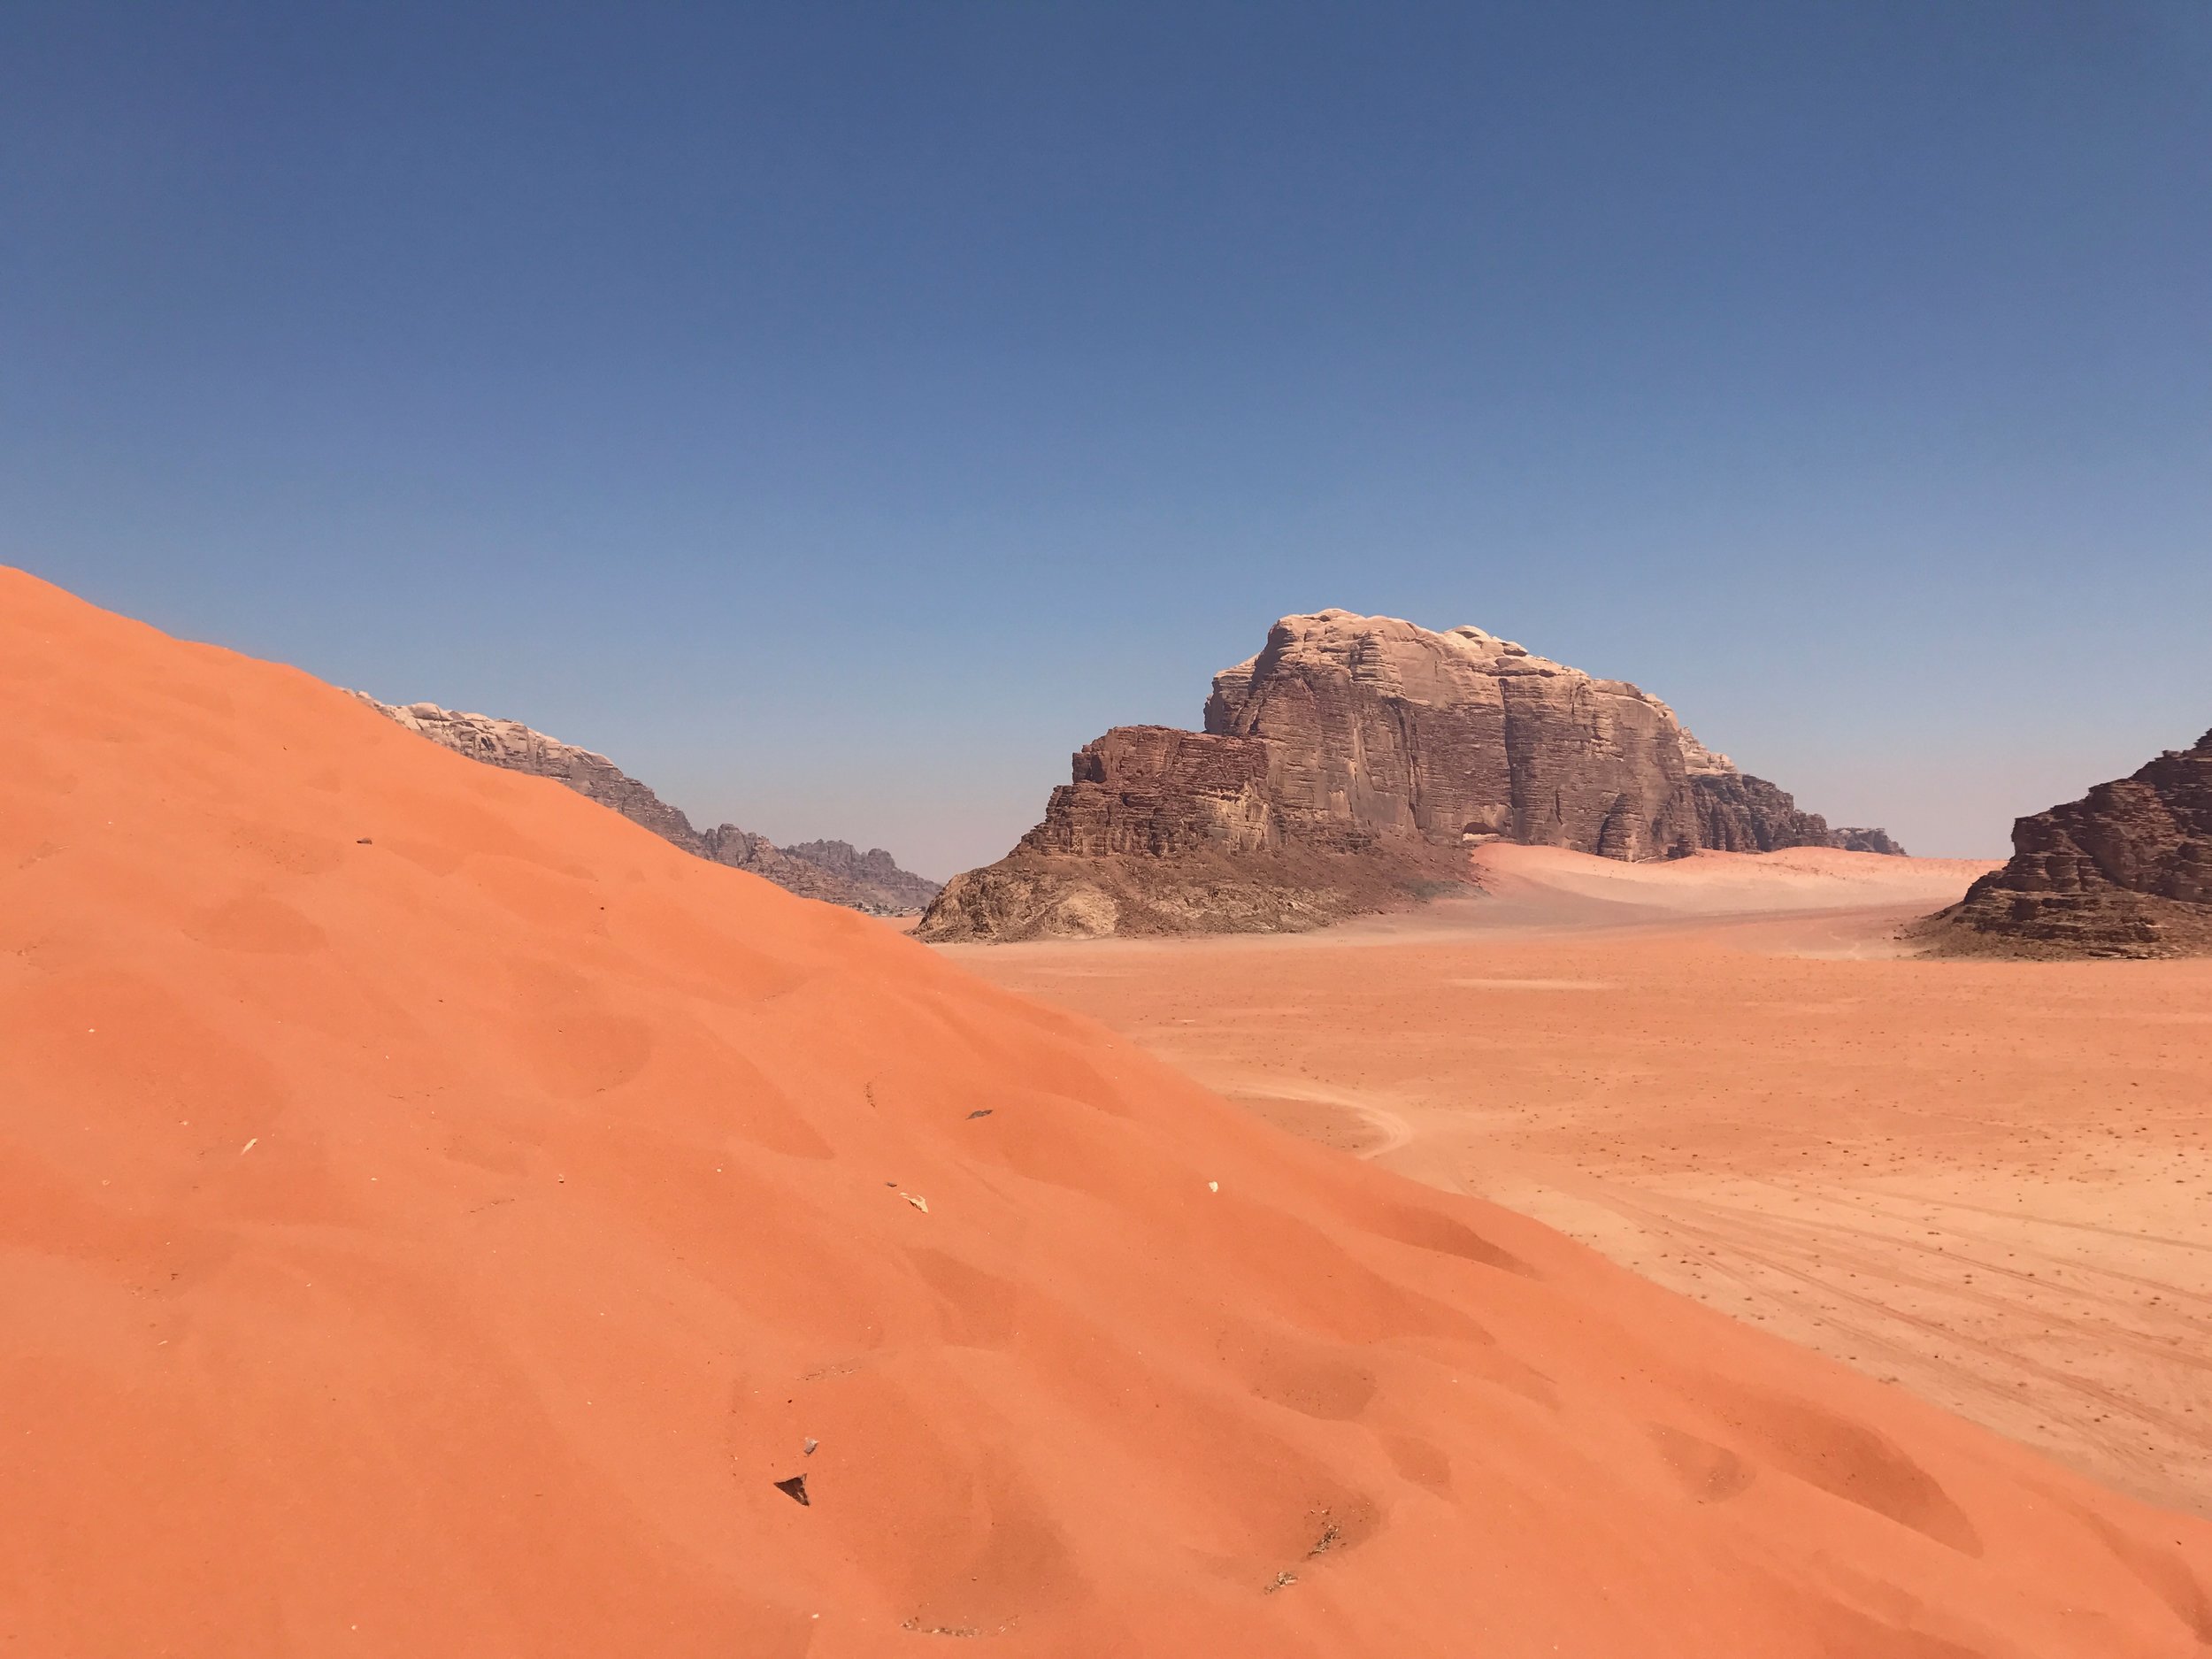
(839, 412)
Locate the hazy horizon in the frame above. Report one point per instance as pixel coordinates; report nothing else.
(836, 416)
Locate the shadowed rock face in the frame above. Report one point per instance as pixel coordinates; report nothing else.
(2127, 870)
(1867, 839)
(1738, 813)
(828, 871)
(1345, 769)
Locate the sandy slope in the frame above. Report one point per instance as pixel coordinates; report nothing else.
(432, 1213)
(1987, 1181)
(1572, 885)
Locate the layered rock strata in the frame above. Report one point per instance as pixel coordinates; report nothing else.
(1345, 769)
(830, 870)
(2127, 870)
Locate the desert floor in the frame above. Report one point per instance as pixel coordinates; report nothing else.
(438, 1216)
(1990, 1183)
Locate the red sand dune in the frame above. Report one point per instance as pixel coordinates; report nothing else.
(435, 1212)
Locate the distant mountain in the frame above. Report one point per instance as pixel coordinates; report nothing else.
(829, 871)
(1345, 769)
(875, 873)
(2127, 870)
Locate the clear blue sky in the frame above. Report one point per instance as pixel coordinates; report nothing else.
(839, 412)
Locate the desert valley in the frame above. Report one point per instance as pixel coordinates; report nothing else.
(1925, 1115)
(1988, 1183)
(443, 1216)
(1105, 831)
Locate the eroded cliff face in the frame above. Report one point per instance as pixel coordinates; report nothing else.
(870, 881)
(1160, 792)
(2127, 870)
(1385, 728)
(1160, 831)
(1738, 813)
(1346, 768)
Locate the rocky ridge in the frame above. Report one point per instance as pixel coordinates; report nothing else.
(1738, 813)
(830, 870)
(874, 872)
(1345, 769)
(2127, 870)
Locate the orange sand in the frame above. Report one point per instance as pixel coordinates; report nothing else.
(433, 1211)
(1987, 1181)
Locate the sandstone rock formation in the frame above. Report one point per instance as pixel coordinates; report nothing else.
(1345, 769)
(1737, 813)
(828, 871)
(1868, 840)
(741, 850)
(874, 874)
(2127, 870)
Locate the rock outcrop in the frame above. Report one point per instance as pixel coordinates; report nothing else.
(828, 871)
(2127, 870)
(1737, 813)
(1867, 839)
(875, 875)
(1345, 769)
(741, 850)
